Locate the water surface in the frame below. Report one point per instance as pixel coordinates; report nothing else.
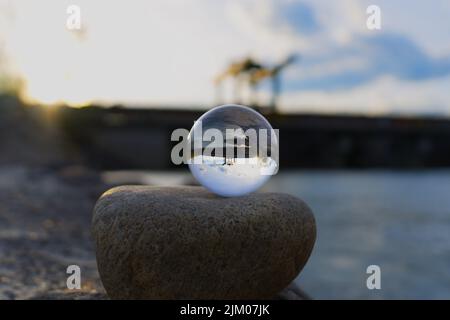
(397, 220)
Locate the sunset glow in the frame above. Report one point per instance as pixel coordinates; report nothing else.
(168, 53)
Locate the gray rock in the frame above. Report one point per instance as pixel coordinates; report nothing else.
(186, 243)
(293, 292)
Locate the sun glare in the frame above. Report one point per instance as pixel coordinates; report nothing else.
(49, 62)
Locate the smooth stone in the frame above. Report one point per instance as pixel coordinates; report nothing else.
(187, 243)
(293, 292)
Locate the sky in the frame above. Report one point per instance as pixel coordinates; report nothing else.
(168, 52)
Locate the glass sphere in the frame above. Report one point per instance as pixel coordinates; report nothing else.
(234, 150)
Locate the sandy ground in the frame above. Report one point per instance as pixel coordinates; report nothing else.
(44, 228)
(46, 201)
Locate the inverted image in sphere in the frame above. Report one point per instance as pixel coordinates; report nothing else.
(233, 150)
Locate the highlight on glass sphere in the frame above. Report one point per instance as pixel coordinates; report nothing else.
(234, 150)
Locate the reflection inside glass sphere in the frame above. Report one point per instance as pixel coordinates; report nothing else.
(234, 150)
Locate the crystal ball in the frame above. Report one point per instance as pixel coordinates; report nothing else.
(233, 150)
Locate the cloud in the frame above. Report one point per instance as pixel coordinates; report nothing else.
(298, 16)
(364, 59)
(382, 95)
(338, 51)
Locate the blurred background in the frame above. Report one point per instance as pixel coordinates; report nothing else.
(363, 118)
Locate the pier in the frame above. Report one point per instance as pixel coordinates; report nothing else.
(117, 138)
